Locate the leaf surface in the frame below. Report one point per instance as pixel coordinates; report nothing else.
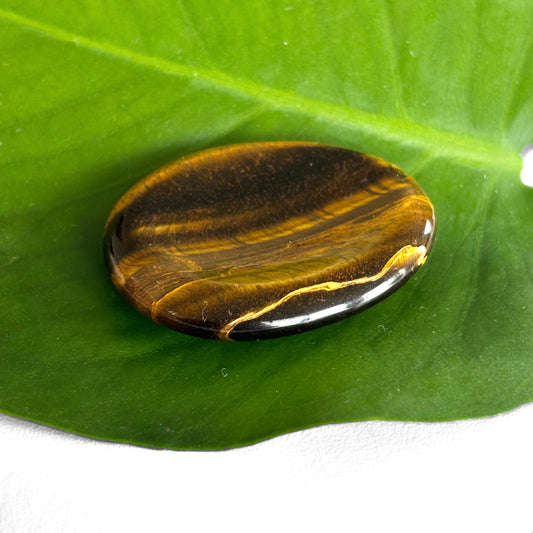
(93, 98)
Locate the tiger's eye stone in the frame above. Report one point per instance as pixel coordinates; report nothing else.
(266, 239)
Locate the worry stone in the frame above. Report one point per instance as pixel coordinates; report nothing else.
(266, 239)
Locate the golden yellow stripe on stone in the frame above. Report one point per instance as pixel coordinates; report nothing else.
(184, 253)
(289, 228)
(189, 259)
(345, 205)
(404, 256)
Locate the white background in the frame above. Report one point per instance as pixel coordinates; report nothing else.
(466, 476)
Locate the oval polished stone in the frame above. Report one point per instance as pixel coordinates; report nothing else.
(266, 239)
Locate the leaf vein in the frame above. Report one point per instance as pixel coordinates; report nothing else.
(461, 146)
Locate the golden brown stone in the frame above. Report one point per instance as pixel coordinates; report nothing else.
(266, 239)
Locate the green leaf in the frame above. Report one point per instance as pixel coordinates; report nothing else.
(94, 96)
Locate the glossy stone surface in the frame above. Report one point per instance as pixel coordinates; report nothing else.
(266, 239)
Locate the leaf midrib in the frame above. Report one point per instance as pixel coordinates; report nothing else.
(437, 142)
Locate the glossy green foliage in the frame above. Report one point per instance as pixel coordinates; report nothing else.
(93, 96)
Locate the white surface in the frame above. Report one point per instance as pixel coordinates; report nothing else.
(527, 166)
(469, 476)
